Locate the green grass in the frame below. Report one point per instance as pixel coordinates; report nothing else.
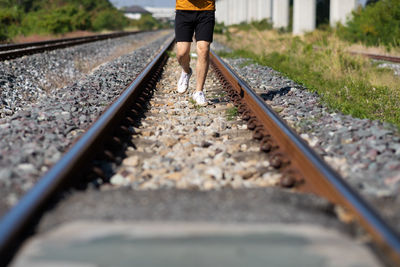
(171, 54)
(231, 113)
(191, 100)
(258, 25)
(344, 84)
(195, 105)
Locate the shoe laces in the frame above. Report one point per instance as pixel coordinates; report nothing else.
(200, 96)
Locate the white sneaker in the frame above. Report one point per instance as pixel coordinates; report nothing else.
(183, 83)
(200, 98)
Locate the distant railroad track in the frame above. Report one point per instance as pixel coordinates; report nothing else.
(378, 57)
(11, 51)
(393, 59)
(301, 167)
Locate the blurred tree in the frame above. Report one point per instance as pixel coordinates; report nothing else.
(57, 16)
(376, 24)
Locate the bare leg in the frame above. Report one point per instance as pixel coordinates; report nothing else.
(183, 55)
(203, 58)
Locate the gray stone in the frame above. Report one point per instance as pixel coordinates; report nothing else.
(26, 167)
(215, 172)
(118, 179)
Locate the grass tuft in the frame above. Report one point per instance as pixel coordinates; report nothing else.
(231, 113)
(171, 54)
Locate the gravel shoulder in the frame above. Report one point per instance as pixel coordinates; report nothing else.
(390, 65)
(43, 123)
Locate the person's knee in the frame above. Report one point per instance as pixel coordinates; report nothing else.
(182, 51)
(180, 55)
(203, 48)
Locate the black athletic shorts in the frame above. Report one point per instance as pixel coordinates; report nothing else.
(199, 22)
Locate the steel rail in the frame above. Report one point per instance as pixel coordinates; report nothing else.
(319, 178)
(378, 57)
(12, 51)
(393, 59)
(8, 47)
(15, 222)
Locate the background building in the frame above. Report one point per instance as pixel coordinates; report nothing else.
(135, 12)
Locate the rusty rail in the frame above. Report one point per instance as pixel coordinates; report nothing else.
(393, 59)
(378, 57)
(301, 166)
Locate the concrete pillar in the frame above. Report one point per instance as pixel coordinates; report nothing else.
(242, 7)
(222, 11)
(236, 12)
(340, 10)
(264, 8)
(233, 12)
(252, 10)
(229, 12)
(280, 13)
(218, 12)
(304, 16)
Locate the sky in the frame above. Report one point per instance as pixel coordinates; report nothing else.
(155, 3)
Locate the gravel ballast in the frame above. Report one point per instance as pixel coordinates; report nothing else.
(38, 125)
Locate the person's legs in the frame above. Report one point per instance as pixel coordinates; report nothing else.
(186, 23)
(204, 35)
(184, 29)
(203, 58)
(205, 22)
(183, 55)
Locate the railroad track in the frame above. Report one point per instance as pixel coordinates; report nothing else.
(11, 51)
(300, 166)
(393, 59)
(378, 57)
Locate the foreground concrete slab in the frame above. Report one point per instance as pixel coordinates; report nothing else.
(90, 243)
(256, 206)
